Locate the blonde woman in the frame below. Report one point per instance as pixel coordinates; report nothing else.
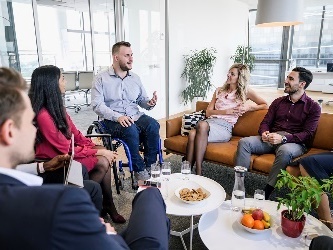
(227, 104)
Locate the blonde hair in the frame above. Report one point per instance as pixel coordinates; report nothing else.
(242, 82)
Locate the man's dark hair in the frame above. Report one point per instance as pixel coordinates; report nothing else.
(116, 46)
(11, 99)
(304, 75)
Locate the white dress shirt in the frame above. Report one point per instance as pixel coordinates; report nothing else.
(27, 179)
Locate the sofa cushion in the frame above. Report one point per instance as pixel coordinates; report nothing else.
(263, 163)
(176, 143)
(324, 133)
(189, 121)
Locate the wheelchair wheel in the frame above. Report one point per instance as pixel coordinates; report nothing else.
(121, 180)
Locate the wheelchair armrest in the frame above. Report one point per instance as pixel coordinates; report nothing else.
(98, 135)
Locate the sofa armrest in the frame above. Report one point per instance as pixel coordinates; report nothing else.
(173, 127)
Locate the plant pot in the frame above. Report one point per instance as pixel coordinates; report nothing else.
(291, 228)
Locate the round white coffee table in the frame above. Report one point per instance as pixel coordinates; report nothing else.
(221, 225)
(175, 206)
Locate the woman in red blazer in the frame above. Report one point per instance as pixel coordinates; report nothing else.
(54, 130)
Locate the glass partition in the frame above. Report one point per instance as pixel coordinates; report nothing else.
(18, 48)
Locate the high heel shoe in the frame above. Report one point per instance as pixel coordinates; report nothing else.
(117, 218)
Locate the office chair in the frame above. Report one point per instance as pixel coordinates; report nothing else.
(85, 79)
(114, 143)
(71, 77)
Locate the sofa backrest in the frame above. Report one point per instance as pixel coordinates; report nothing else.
(246, 125)
(200, 105)
(324, 135)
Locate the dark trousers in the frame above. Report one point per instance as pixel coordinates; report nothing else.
(148, 226)
(145, 130)
(92, 187)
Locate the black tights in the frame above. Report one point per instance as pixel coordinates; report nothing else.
(101, 173)
(197, 145)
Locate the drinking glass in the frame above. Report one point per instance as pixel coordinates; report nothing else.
(155, 171)
(185, 170)
(166, 170)
(259, 197)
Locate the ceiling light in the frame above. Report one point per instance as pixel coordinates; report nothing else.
(272, 13)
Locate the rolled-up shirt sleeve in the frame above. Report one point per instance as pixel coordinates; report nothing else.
(98, 103)
(143, 98)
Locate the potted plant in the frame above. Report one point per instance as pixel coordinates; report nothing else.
(304, 195)
(197, 73)
(243, 55)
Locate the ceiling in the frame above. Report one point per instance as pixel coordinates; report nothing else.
(80, 5)
(253, 3)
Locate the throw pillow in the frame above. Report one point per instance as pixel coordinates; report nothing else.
(189, 121)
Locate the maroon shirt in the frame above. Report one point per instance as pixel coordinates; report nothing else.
(300, 119)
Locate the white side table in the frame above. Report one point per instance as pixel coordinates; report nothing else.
(174, 206)
(221, 225)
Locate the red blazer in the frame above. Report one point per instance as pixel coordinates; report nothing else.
(55, 143)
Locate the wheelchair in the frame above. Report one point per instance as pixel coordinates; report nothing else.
(100, 130)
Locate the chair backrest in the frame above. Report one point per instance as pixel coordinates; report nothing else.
(85, 79)
(70, 77)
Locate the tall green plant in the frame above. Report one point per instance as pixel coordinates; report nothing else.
(243, 55)
(197, 73)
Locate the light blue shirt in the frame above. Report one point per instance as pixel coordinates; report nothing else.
(113, 97)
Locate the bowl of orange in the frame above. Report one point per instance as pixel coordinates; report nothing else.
(256, 221)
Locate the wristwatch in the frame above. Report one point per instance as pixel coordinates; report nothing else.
(284, 139)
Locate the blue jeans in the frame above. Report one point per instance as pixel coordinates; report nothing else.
(146, 130)
(284, 154)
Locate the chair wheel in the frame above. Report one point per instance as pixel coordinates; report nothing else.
(121, 182)
(135, 186)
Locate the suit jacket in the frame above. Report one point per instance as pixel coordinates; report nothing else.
(50, 217)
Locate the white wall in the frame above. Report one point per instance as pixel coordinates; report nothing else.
(197, 24)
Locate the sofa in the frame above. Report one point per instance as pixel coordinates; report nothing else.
(247, 125)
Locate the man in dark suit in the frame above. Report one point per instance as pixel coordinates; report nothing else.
(59, 217)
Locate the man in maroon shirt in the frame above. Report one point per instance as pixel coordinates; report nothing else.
(287, 129)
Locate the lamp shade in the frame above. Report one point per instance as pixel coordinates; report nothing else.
(272, 13)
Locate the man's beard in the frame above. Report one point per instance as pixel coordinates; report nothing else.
(17, 158)
(124, 66)
(291, 91)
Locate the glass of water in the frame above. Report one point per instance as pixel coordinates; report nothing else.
(155, 171)
(166, 170)
(185, 170)
(259, 198)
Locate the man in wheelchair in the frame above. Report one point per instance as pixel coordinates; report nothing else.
(116, 96)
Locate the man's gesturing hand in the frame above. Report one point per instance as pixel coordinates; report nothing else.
(153, 100)
(125, 121)
(57, 162)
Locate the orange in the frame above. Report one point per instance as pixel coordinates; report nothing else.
(248, 220)
(257, 224)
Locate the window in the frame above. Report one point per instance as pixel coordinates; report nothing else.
(311, 45)
(266, 46)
